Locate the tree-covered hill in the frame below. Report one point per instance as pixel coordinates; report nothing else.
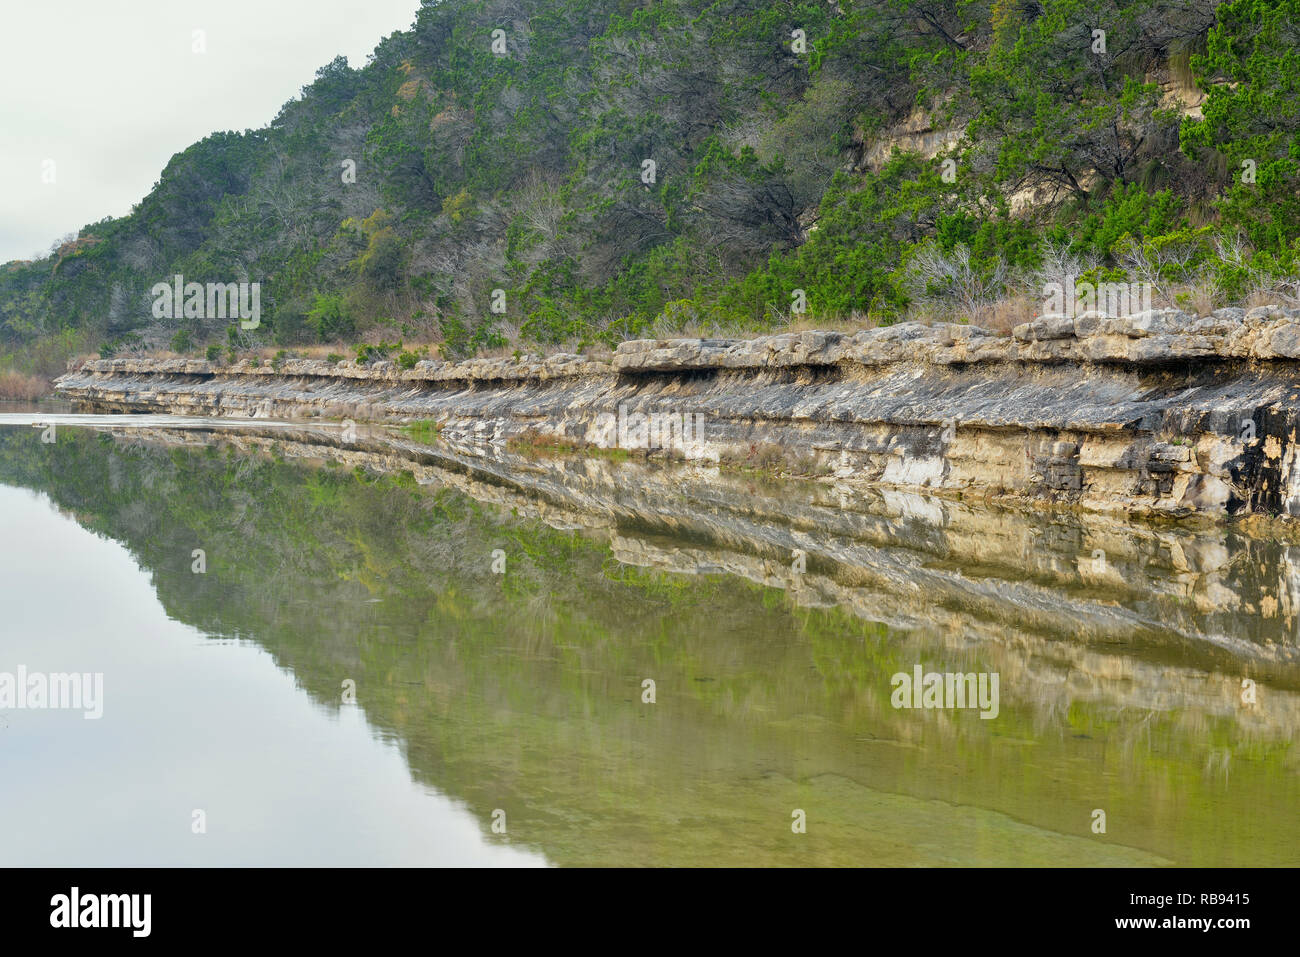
(511, 172)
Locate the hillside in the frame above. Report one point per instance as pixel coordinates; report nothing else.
(508, 174)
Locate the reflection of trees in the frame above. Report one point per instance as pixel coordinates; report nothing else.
(523, 690)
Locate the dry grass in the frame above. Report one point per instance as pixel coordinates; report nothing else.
(501, 352)
(776, 460)
(1005, 314)
(317, 351)
(17, 385)
(1200, 299)
(592, 350)
(1265, 297)
(533, 442)
(854, 323)
(766, 455)
(349, 350)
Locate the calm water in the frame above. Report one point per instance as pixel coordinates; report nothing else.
(499, 617)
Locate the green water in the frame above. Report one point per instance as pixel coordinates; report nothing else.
(485, 687)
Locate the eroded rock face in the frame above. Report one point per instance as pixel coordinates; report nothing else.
(1158, 412)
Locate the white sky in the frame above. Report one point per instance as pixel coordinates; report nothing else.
(110, 90)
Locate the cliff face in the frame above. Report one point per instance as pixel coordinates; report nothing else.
(1157, 413)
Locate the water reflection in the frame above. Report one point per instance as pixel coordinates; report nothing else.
(206, 754)
(770, 617)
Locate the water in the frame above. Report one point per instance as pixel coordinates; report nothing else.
(499, 615)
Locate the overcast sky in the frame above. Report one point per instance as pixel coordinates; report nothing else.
(110, 90)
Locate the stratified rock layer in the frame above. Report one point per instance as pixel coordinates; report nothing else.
(1158, 412)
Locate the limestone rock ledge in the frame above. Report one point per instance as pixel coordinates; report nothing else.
(1155, 413)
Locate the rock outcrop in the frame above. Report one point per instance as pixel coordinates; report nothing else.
(1153, 413)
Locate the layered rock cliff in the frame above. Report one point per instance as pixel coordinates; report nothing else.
(1156, 413)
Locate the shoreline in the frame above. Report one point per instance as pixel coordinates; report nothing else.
(1155, 415)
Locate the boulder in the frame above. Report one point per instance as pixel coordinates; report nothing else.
(1283, 342)
(1149, 323)
(1051, 326)
(1089, 323)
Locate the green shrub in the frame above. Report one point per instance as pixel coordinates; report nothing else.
(423, 430)
(368, 353)
(290, 325)
(331, 318)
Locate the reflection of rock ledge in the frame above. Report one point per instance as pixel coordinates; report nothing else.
(1173, 621)
(1043, 673)
(1150, 414)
